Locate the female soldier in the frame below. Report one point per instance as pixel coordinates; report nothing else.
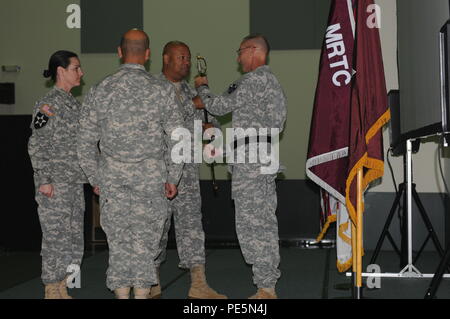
(58, 177)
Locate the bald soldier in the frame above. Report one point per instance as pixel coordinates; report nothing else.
(257, 101)
(186, 206)
(121, 148)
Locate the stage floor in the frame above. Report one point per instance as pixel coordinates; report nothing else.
(305, 274)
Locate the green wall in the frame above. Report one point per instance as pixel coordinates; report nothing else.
(30, 31)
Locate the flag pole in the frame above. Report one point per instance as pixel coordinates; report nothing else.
(359, 234)
(354, 263)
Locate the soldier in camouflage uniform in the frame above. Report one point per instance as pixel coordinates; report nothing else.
(186, 206)
(257, 101)
(128, 113)
(58, 178)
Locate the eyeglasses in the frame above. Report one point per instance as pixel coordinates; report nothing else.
(242, 49)
(184, 58)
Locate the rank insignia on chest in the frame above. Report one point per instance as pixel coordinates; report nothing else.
(232, 88)
(40, 120)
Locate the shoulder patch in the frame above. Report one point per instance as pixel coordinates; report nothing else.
(47, 110)
(40, 120)
(232, 88)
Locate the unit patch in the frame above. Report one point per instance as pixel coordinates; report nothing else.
(40, 120)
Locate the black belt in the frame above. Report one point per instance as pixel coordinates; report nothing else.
(246, 140)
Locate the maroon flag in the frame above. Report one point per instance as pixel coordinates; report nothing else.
(327, 162)
(369, 108)
(350, 107)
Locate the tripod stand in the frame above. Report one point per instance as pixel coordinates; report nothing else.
(436, 281)
(406, 245)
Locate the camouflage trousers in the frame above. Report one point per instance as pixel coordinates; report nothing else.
(133, 220)
(187, 215)
(61, 218)
(255, 202)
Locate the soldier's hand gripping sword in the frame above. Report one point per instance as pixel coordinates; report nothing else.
(202, 68)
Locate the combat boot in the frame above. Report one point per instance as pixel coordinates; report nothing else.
(63, 289)
(141, 293)
(122, 293)
(199, 287)
(265, 293)
(155, 291)
(52, 291)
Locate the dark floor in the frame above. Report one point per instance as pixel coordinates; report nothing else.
(306, 274)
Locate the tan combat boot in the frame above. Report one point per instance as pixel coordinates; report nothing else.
(141, 293)
(199, 287)
(122, 293)
(155, 291)
(63, 289)
(265, 293)
(52, 291)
